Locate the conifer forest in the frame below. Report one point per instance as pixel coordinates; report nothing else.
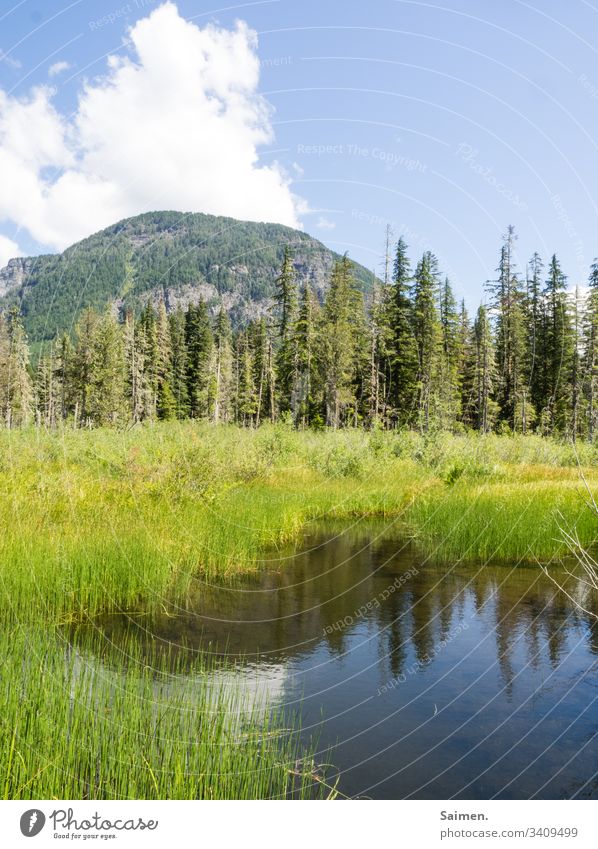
(405, 354)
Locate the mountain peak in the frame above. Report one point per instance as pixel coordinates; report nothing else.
(178, 256)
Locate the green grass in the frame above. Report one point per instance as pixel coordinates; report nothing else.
(94, 520)
(142, 728)
(98, 520)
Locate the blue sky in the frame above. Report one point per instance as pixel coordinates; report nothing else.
(449, 120)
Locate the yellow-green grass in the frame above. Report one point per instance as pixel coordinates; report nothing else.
(98, 520)
(72, 728)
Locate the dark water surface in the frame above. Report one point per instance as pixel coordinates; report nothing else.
(430, 681)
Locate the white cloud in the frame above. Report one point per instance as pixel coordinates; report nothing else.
(175, 124)
(8, 250)
(325, 223)
(58, 68)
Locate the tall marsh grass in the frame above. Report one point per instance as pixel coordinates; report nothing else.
(77, 729)
(95, 520)
(105, 520)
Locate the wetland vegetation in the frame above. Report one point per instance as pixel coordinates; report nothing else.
(105, 522)
(376, 399)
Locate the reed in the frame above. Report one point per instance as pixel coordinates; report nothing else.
(96, 520)
(104, 520)
(137, 727)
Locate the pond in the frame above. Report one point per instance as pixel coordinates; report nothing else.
(425, 680)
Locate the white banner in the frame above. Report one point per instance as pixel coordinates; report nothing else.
(297, 825)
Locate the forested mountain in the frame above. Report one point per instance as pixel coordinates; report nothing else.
(163, 255)
(406, 356)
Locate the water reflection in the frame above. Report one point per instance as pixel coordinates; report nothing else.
(423, 675)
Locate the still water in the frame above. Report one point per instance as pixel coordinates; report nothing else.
(427, 681)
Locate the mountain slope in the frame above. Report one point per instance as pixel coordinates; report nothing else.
(180, 257)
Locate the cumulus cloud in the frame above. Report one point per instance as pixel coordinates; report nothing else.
(8, 250)
(58, 68)
(176, 123)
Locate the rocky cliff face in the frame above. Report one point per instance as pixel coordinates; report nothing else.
(14, 274)
(180, 257)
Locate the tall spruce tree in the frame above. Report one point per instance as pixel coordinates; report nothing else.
(65, 377)
(46, 390)
(83, 364)
(179, 363)
(15, 379)
(485, 408)
(246, 392)
(200, 350)
(559, 348)
(508, 304)
(428, 338)
(337, 344)
(590, 356)
(134, 370)
(223, 369)
(463, 355)
(535, 324)
(402, 346)
(263, 370)
(166, 401)
(576, 373)
(306, 336)
(106, 395)
(449, 389)
(147, 340)
(286, 305)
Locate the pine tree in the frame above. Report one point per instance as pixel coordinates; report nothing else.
(65, 377)
(200, 350)
(106, 397)
(285, 323)
(576, 379)
(223, 369)
(179, 363)
(134, 370)
(167, 403)
(508, 303)
(484, 409)
(428, 337)
(535, 322)
(15, 380)
(463, 357)
(559, 348)
(590, 345)
(147, 341)
(166, 400)
(449, 389)
(361, 339)
(306, 337)
(376, 325)
(337, 344)
(246, 394)
(46, 400)
(524, 413)
(263, 370)
(402, 347)
(4, 385)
